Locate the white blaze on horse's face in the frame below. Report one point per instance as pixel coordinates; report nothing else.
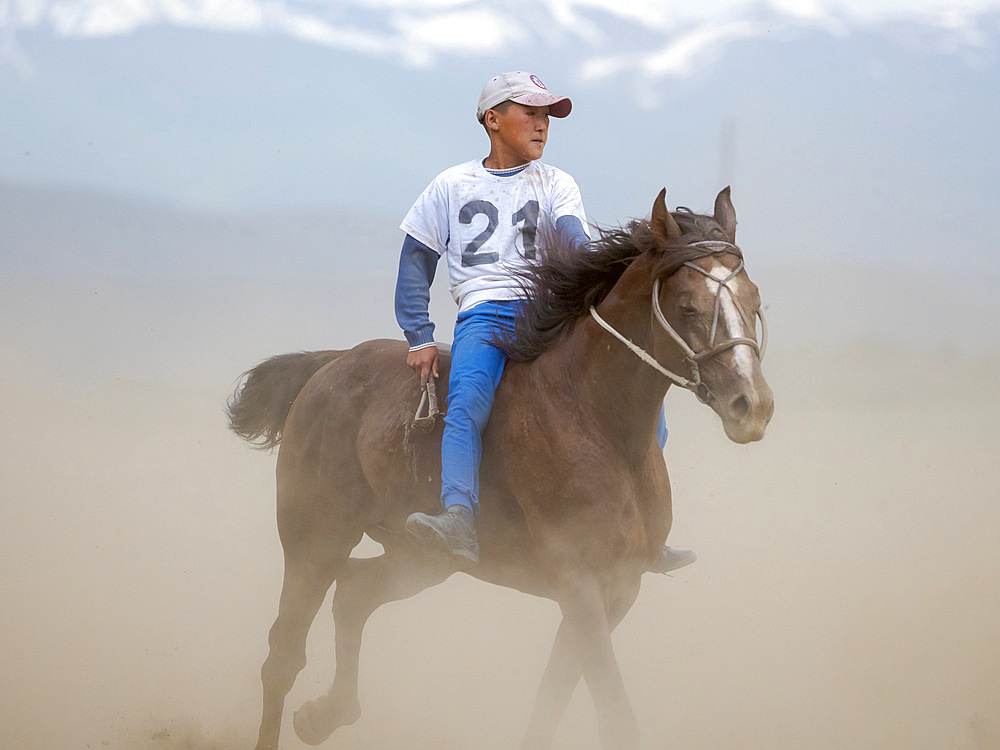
(740, 395)
(730, 322)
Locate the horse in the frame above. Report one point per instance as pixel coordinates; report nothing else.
(575, 493)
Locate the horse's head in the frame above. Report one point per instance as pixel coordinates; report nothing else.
(705, 318)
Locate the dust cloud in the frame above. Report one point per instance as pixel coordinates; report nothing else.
(847, 593)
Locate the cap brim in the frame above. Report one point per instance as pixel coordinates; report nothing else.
(559, 106)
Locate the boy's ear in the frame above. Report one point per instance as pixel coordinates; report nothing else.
(490, 120)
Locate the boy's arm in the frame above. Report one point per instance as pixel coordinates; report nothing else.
(566, 209)
(417, 265)
(571, 228)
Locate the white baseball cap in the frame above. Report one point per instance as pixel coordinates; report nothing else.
(522, 88)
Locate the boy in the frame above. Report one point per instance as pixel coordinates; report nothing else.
(489, 218)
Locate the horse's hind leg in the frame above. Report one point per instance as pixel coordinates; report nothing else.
(307, 579)
(362, 587)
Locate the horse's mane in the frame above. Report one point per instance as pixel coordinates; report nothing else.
(569, 280)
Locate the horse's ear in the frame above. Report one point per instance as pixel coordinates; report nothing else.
(665, 229)
(725, 214)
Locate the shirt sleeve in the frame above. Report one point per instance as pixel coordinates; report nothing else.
(571, 228)
(566, 201)
(417, 265)
(427, 220)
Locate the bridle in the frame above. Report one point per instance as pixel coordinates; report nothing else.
(695, 383)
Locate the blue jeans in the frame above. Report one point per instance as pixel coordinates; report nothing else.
(476, 368)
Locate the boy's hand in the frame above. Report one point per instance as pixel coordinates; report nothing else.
(423, 362)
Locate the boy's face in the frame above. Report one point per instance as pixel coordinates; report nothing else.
(518, 135)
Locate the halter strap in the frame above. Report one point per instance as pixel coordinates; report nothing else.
(694, 383)
(642, 353)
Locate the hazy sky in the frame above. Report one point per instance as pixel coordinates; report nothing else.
(842, 125)
(676, 38)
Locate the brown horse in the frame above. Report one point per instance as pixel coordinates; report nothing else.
(575, 494)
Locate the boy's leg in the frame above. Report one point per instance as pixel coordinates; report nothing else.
(661, 427)
(476, 369)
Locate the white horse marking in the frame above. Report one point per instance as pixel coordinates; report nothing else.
(731, 318)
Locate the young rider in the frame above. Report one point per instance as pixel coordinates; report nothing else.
(489, 217)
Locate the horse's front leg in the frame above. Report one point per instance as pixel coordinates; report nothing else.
(563, 672)
(583, 646)
(558, 683)
(591, 629)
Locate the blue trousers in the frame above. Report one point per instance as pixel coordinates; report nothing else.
(476, 369)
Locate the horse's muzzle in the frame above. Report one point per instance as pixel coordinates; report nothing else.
(745, 415)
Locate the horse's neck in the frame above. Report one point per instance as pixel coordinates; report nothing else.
(623, 392)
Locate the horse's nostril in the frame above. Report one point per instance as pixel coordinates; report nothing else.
(739, 408)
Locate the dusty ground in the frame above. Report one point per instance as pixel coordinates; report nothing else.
(847, 593)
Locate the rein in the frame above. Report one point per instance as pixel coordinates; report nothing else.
(695, 383)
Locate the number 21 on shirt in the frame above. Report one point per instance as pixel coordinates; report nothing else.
(528, 214)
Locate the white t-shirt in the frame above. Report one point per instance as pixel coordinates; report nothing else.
(489, 225)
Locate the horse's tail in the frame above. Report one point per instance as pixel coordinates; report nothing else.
(259, 406)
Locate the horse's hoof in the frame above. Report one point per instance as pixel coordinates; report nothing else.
(317, 719)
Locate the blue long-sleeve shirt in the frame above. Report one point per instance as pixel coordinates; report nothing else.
(417, 266)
